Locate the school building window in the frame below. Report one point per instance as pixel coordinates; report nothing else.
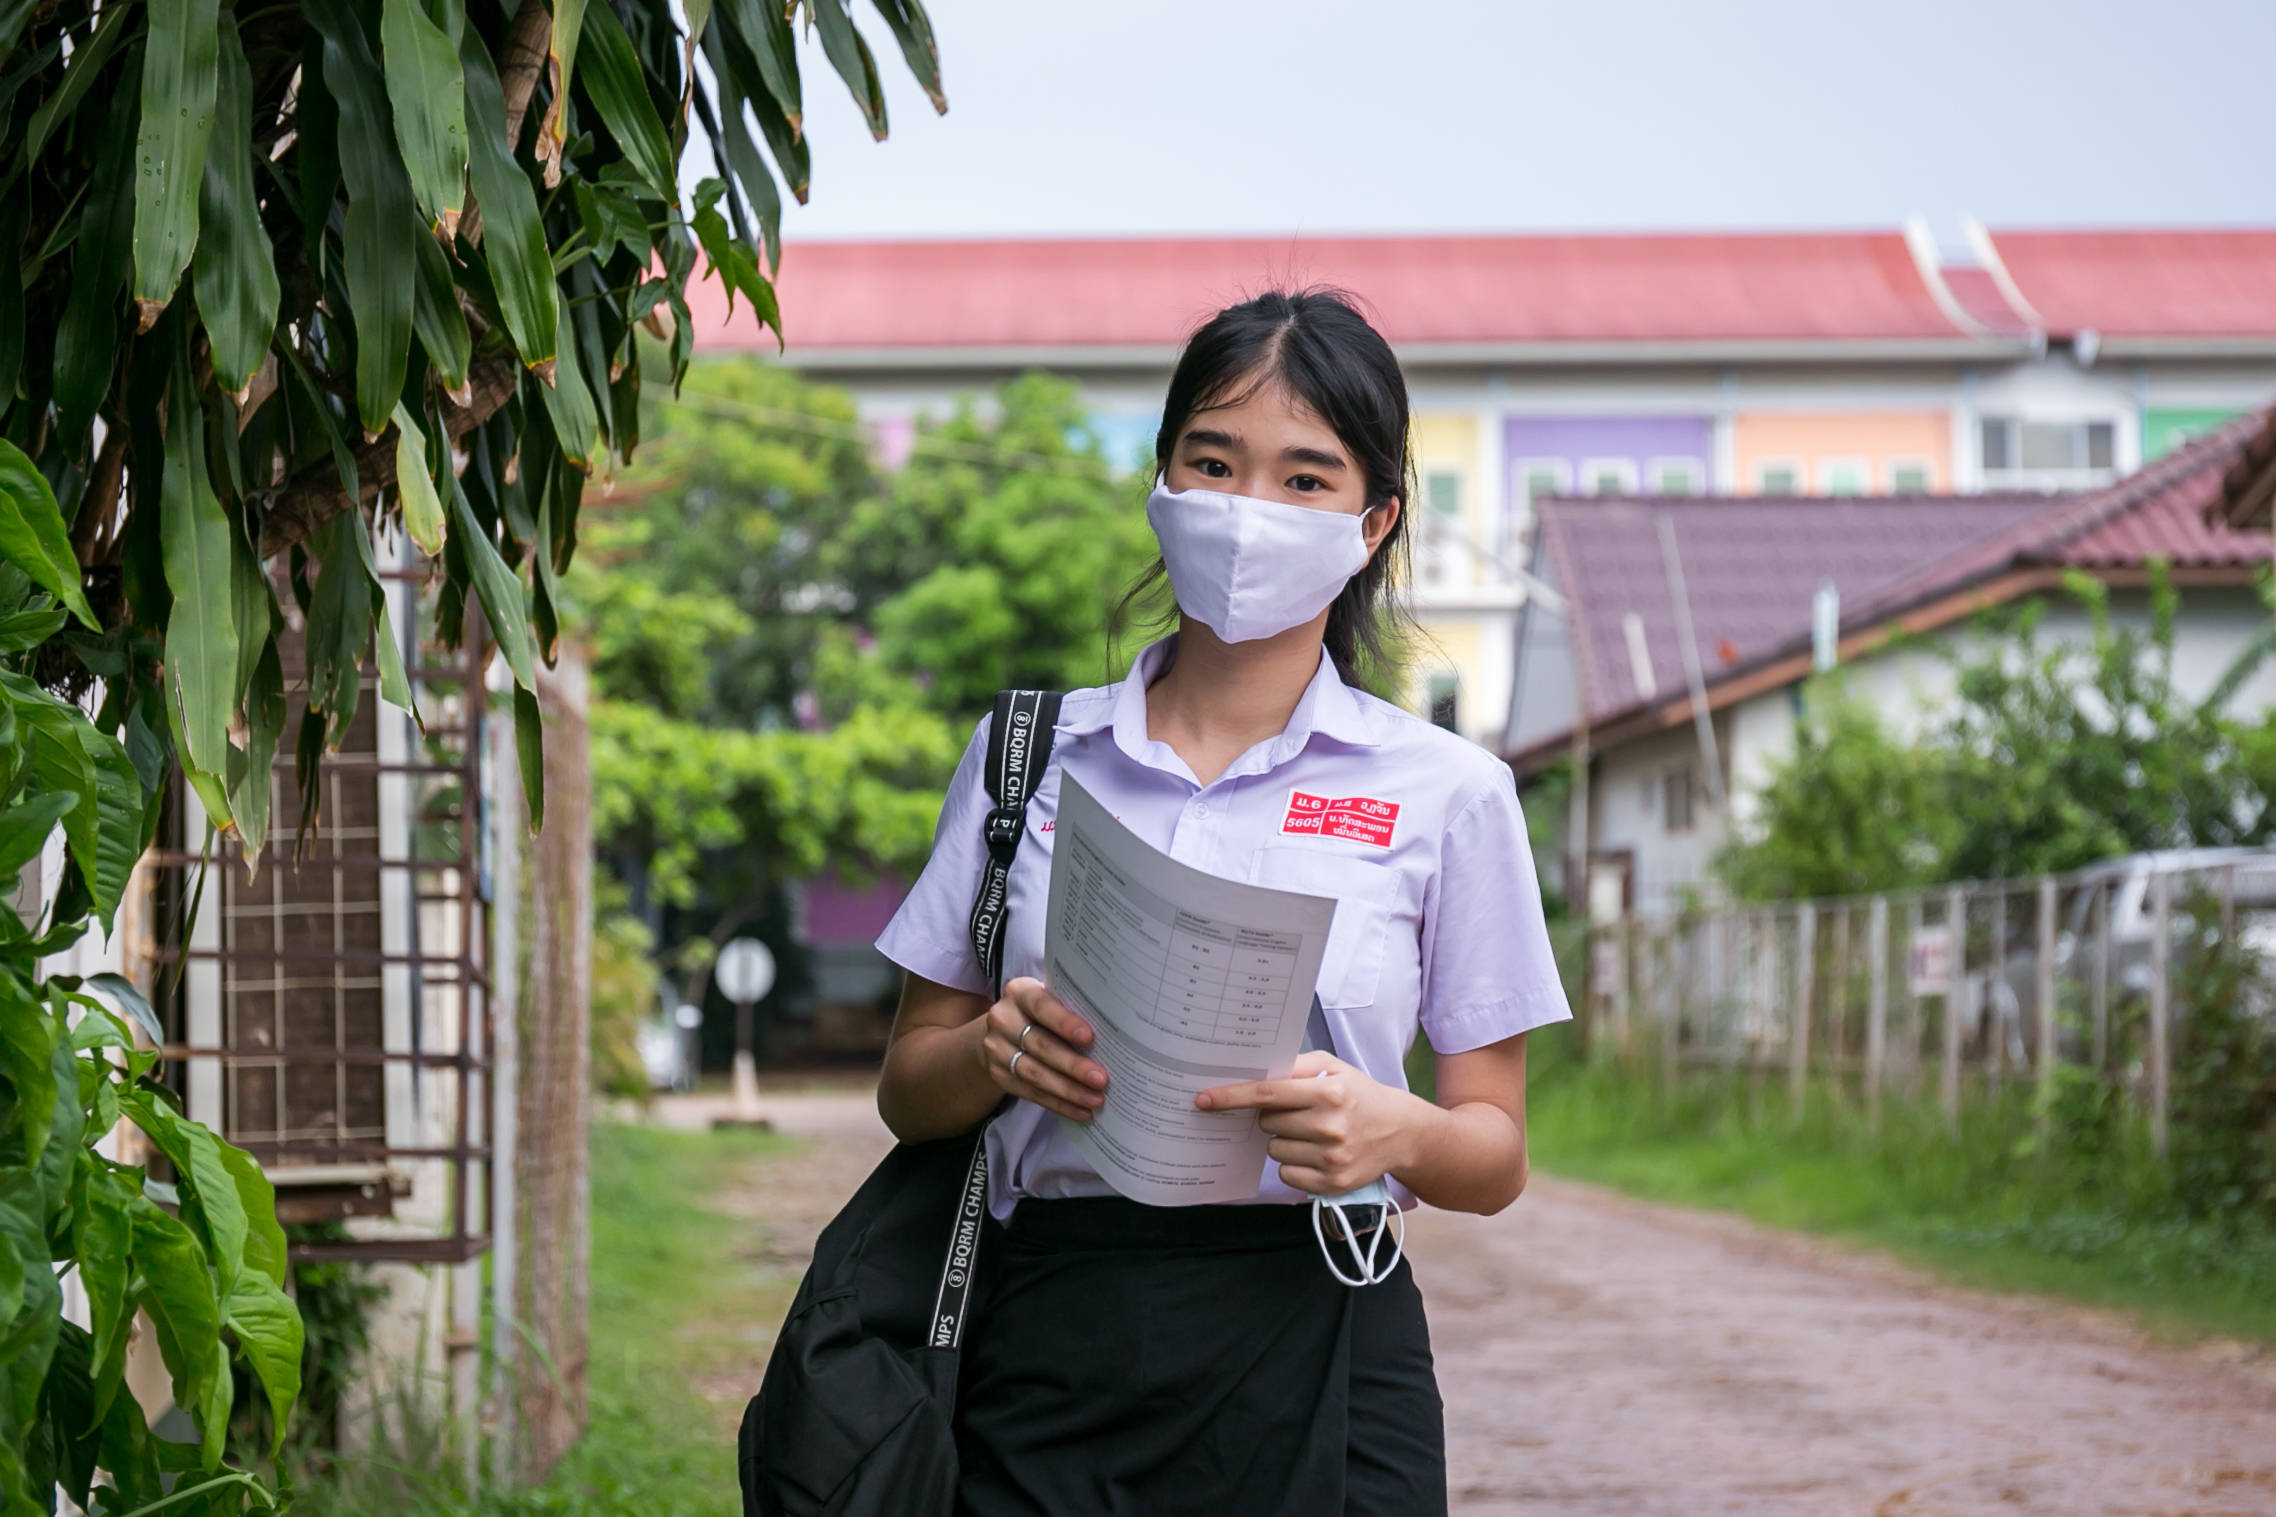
(1909, 476)
(1777, 478)
(1675, 805)
(1442, 492)
(1676, 476)
(1843, 476)
(1609, 476)
(2016, 451)
(1441, 524)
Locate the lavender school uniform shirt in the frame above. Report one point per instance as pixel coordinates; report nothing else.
(1413, 830)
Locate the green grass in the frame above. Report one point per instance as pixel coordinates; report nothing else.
(683, 1311)
(2088, 1219)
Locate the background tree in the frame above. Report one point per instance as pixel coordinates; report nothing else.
(890, 607)
(275, 276)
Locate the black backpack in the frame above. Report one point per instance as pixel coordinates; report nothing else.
(853, 1418)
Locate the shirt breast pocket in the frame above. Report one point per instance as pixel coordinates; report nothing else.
(1365, 893)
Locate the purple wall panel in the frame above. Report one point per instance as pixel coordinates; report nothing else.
(1641, 438)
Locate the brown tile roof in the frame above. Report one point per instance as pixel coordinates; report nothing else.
(2248, 490)
(1752, 566)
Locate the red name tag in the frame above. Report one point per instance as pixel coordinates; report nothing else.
(1358, 818)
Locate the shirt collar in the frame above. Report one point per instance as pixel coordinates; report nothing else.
(1328, 708)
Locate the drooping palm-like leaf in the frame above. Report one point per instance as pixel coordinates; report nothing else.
(269, 274)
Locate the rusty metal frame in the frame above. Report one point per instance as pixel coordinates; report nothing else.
(466, 1161)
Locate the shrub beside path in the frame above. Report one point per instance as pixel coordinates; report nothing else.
(1605, 1355)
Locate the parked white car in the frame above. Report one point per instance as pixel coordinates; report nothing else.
(2006, 999)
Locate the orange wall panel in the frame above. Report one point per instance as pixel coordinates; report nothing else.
(1818, 443)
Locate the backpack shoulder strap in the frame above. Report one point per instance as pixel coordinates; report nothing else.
(1019, 750)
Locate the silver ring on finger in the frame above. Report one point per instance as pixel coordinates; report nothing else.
(1011, 1070)
(1021, 1040)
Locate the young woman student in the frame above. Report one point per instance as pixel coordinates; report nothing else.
(1132, 1359)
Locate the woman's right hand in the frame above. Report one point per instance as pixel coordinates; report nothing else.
(1031, 1050)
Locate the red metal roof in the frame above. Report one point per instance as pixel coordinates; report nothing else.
(2146, 284)
(1979, 295)
(1151, 292)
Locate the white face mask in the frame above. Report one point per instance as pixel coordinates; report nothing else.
(1247, 568)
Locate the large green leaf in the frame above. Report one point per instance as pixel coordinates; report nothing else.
(415, 486)
(15, 213)
(269, 1333)
(513, 239)
(27, 1048)
(499, 589)
(24, 829)
(529, 746)
(740, 74)
(764, 29)
(28, 1342)
(11, 1282)
(254, 604)
(264, 1237)
(732, 261)
(86, 338)
(178, 1294)
(379, 260)
(264, 724)
(850, 56)
(752, 176)
(561, 63)
(611, 74)
(59, 760)
(913, 29)
(235, 269)
(387, 650)
(218, 1200)
(118, 820)
(567, 400)
(429, 94)
(79, 75)
(128, 997)
(436, 317)
(179, 75)
(339, 626)
(70, 1414)
(32, 534)
(201, 632)
(101, 1240)
(67, 1133)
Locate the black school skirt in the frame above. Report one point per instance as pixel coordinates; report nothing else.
(1143, 1361)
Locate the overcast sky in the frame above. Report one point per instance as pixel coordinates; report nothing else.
(1313, 116)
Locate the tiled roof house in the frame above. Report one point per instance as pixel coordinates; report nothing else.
(1750, 571)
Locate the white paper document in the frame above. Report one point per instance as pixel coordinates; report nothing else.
(1189, 981)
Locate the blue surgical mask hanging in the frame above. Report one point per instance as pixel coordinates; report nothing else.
(1351, 1228)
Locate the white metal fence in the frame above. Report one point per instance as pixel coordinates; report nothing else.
(1986, 982)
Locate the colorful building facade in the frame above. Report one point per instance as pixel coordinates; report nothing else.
(1833, 365)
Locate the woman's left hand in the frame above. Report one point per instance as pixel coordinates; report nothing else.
(1333, 1127)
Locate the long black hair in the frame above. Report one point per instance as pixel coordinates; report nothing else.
(1316, 344)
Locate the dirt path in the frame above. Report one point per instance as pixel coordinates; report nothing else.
(1601, 1355)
